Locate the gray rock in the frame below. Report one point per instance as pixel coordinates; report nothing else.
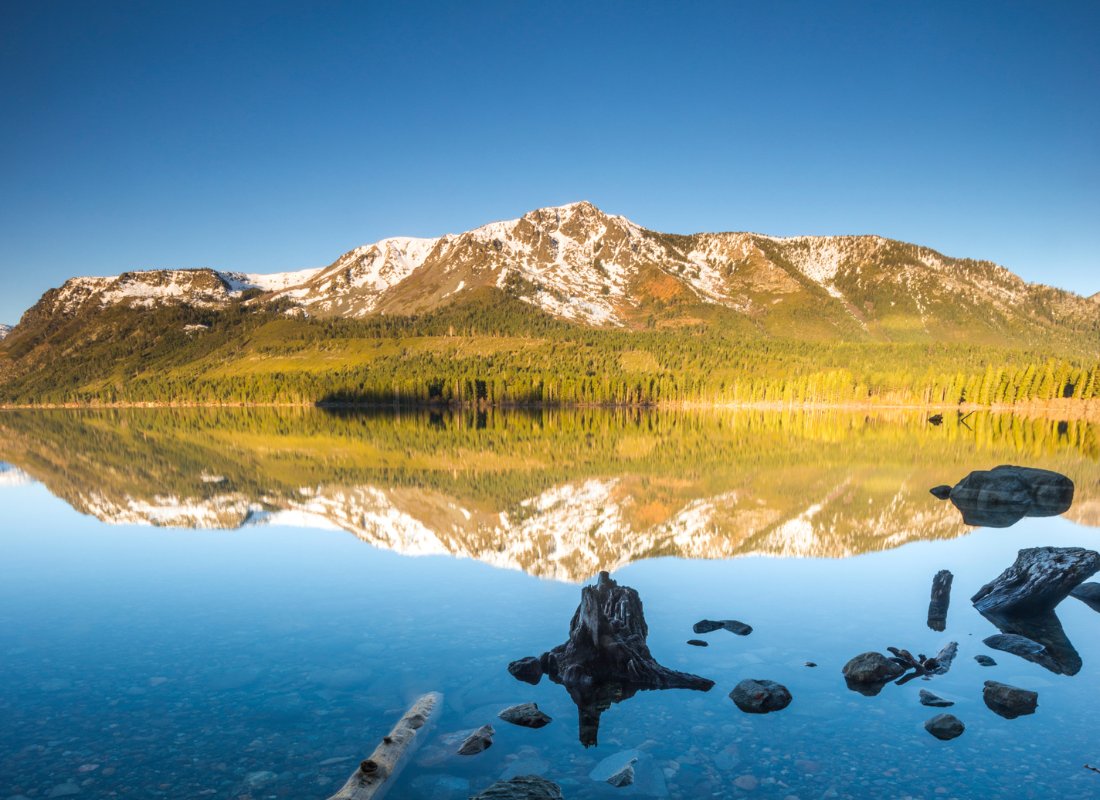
(1006, 494)
(945, 726)
(523, 787)
(478, 741)
(1039, 579)
(985, 661)
(731, 625)
(928, 698)
(526, 715)
(528, 670)
(868, 672)
(760, 696)
(624, 777)
(1009, 701)
(67, 789)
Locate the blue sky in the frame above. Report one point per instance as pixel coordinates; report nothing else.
(273, 136)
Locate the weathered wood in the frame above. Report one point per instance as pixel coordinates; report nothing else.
(941, 600)
(376, 774)
(1039, 580)
(606, 659)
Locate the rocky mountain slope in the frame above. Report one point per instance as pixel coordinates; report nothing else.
(583, 265)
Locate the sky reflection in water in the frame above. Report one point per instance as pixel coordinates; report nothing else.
(212, 663)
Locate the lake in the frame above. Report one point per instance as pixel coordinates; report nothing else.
(240, 603)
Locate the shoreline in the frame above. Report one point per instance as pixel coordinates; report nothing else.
(1062, 408)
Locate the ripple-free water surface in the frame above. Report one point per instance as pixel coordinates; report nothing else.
(267, 660)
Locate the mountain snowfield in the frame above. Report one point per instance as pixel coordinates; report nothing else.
(580, 264)
(4, 331)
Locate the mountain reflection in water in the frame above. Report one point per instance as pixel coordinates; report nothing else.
(557, 494)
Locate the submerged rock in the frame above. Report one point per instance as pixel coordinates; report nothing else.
(624, 777)
(760, 696)
(478, 741)
(731, 625)
(526, 715)
(985, 661)
(1009, 701)
(523, 787)
(928, 698)
(528, 670)
(868, 672)
(945, 726)
(1004, 495)
(1039, 579)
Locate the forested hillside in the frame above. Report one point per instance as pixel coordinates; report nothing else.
(491, 348)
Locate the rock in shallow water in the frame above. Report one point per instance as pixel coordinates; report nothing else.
(942, 492)
(526, 715)
(528, 670)
(624, 777)
(928, 698)
(985, 660)
(945, 726)
(731, 625)
(478, 741)
(698, 643)
(868, 672)
(1009, 701)
(524, 787)
(760, 696)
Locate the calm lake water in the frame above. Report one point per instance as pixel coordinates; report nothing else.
(241, 603)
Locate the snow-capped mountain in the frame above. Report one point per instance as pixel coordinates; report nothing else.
(580, 264)
(4, 331)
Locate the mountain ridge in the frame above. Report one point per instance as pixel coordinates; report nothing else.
(582, 265)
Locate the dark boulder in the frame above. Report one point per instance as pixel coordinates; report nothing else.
(524, 787)
(1009, 701)
(760, 696)
(942, 492)
(985, 661)
(1004, 495)
(928, 698)
(1040, 579)
(731, 625)
(945, 726)
(526, 715)
(868, 672)
(528, 670)
(698, 643)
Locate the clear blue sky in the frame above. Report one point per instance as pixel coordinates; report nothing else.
(272, 136)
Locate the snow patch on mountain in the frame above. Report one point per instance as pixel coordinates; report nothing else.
(4, 331)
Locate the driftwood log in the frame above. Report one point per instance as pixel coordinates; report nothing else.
(606, 659)
(376, 774)
(941, 600)
(1040, 579)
